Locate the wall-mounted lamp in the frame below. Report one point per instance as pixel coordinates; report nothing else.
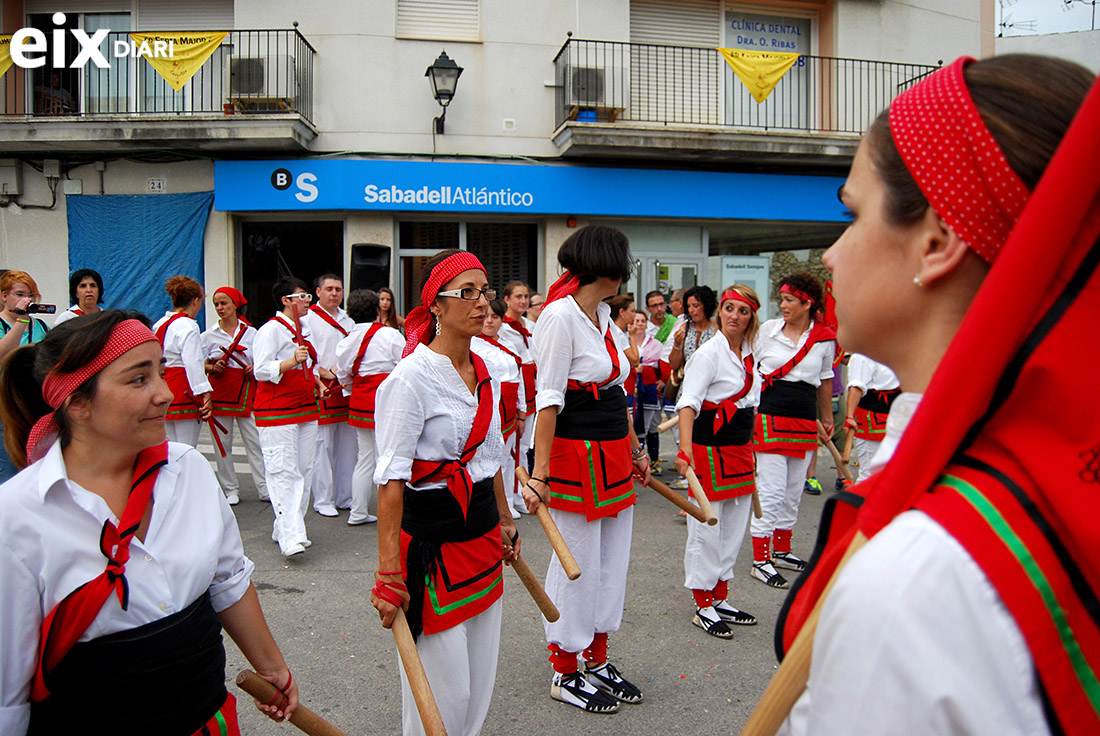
(443, 74)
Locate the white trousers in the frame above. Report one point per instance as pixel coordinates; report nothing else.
(461, 665)
(779, 481)
(227, 474)
(865, 450)
(593, 603)
(183, 430)
(337, 451)
(527, 439)
(711, 551)
(508, 472)
(288, 468)
(362, 480)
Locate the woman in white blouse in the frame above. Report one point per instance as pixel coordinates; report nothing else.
(184, 367)
(441, 503)
(120, 561)
(716, 408)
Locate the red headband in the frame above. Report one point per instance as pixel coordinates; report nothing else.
(738, 297)
(955, 161)
(234, 295)
(796, 293)
(419, 319)
(567, 284)
(57, 387)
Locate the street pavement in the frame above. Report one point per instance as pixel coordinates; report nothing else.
(318, 607)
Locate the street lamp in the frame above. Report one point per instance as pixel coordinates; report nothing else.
(443, 74)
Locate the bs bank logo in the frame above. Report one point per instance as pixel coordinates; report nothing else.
(29, 47)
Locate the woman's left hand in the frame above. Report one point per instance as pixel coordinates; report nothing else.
(641, 469)
(827, 434)
(511, 551)
(207, 407)
(289, 688)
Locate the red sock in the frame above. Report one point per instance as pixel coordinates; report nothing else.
(597, 650)
(760, 551)
(782, 540)
(721, 590)
(703, 598)
(561, 660)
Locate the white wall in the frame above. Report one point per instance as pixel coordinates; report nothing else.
(910, 31)
(1082, 47)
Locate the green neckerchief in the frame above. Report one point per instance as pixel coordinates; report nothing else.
(666, 329)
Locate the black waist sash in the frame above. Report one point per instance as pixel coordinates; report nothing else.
(166, 677)
(737, 431)
(584, 417)
(878, 401)
(795, 399)
(432, 517)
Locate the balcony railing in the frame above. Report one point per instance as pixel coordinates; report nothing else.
(609, 81)
(252, 71)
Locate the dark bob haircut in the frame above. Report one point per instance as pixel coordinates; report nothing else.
(706, 296)
(596, 251)
(78, 276)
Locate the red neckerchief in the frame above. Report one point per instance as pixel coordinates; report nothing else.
(519, 327)
(496, 343)
(162, 331)
(307, 343)
(725, 409)
(70, 618)
(613, 351)
(371, 331)
(457, 475)
(328, 318)
(818, 333)
(78, 311)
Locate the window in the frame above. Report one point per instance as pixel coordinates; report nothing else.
(442, 20)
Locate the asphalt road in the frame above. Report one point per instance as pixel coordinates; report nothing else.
(317, 605)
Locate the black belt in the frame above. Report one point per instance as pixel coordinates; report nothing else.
(795, 399)
(737, 431)
(584, 417)
(878, 401)
(166, 677)
(432, 518)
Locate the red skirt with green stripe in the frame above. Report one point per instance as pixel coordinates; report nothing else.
(361, 405)
(870, 425)
(183, 406)
(234, 392)
(293, 400)
(509, 412)
(334, 405)
(786, 420)
(723, 459)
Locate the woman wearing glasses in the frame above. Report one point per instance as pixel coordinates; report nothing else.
(286, 411)
(441, 503)
(185, 367)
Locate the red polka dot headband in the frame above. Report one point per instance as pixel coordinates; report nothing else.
(955, 161)
(419, 320)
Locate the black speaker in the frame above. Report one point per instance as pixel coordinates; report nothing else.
(370, 266)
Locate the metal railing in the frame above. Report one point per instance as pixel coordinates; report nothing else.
(251, 71)
(611, 81)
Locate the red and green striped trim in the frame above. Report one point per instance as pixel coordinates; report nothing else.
(714, 475)
(444, 610)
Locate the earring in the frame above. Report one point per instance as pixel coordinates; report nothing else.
(918, 282)
(437, 327)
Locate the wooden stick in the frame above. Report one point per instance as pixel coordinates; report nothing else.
(757, 510)
(701, 496)
(790, 679)
(303, 717)
(847, 454)
(557, 541)
(418, 680)
(668, 424)
(841, 466)
(534, 587)
(682, 502)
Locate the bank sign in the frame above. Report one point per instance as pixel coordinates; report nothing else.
(525, 189)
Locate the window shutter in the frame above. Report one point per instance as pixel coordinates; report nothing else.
(442, 20)
(195, 15)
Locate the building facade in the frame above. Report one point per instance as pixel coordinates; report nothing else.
(313, 127)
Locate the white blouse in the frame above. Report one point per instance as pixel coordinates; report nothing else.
(275, 343)
(773, 349)
(509, 337)
(503, 367)
(216, 338)
(567, 345)
(65, 316)
(864, 374)
(381, 356)
(424, 411)
(325, 337)
(714, 373)
(183, 349)
(49, 546)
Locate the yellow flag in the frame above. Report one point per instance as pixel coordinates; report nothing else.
(759, 70)
(5, 54)
(177, 56)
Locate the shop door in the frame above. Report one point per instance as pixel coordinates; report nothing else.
(274, 250)
(664, 275)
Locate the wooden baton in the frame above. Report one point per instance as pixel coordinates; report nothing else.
(681, 501)
(701, 496)
(668, 424)
(303, 717)
(557, 541)
(841, 466)
(847, 454)
(418, 680)
(534, 587)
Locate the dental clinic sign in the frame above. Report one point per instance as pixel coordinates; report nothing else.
(29, 48)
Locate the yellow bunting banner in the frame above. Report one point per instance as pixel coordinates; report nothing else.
(759, 70)
(177, 56)
(5, 54)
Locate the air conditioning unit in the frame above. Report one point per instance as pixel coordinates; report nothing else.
(266, 76)
(597, 86)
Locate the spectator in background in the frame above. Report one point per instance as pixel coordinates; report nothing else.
(17, 291)
(387, 310)
(534, 306)
(85, 295)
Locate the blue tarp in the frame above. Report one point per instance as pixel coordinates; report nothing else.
(136, 242)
